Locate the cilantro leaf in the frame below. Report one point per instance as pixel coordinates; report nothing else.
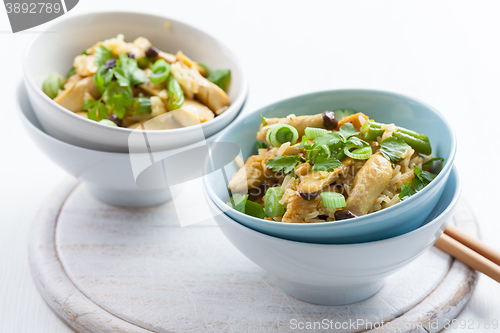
(406, 191)
(221, 77)
(95, 109)
(324, 163)
(330, 139)
(117, 98)
(421, 179)
(254, 209)
(102, 78)
(429, 162)
(424, 176)
(101, 55)
(346, 131)
(127, 73)
(392, 148)
(238, 202)
(339, 114)
(305, 144)
(357, 142)
(285, 163)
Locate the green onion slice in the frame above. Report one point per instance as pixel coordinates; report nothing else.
(313, 132)
(160, 71)
(332, 200)
(272, 207)
(362, 153)
(108, 122)
(280, 133)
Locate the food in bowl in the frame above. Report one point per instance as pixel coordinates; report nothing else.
(330, 166)
(124, 84)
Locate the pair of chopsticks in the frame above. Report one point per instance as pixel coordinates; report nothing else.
(470, 251)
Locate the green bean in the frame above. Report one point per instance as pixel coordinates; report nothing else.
(52, 84)
(419, 142)
(175, 93)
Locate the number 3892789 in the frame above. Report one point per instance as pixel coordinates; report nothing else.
(33, 7)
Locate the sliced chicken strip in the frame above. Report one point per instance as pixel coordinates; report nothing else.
(370, 181)
(250, 175)
(300, 123)
(195, 85)
(163, 121)
(73, 98)
(192, 113)
(312, 183)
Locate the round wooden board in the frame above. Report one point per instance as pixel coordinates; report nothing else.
(109, 269)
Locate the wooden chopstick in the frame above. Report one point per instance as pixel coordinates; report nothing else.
(473, 243)
(470, 251)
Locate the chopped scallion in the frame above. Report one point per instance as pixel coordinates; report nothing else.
(313, 132)
(332, 200)
(272, 207)
(280, 133)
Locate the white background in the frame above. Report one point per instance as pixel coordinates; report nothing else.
(446, 53)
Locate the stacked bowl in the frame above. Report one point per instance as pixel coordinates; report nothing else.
(327, 263)
(118, 165)
(344, 261)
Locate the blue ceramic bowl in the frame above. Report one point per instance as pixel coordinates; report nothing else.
(381, 106)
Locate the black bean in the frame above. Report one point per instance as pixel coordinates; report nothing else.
(308, 195)
(330, 122)
(114, 118)
(151, 52)
(110, 63)
(131, 55)
(343, 215)
(322, 217)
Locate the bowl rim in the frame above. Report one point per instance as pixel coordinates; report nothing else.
(458, 190)
(21, 91)
(238, 101)
(361, 220)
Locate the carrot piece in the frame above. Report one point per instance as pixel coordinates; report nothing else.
(354, 120)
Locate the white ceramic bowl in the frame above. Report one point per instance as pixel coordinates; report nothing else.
(338, 274)
(122, 179)
(55, 50)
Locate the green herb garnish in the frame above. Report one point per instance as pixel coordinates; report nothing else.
(127, 73)
(221, 77)
(101, 55)
(241, 203)
(392, 148)
(421, 179)
(346, 131)
(429, 162)
(285, 163)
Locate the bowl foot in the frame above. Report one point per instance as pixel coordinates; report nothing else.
(330, 295)
(130, 198)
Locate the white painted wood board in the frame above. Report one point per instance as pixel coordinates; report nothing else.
(109, 269)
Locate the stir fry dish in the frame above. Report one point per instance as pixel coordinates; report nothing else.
(330, 166)
(126, 84)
